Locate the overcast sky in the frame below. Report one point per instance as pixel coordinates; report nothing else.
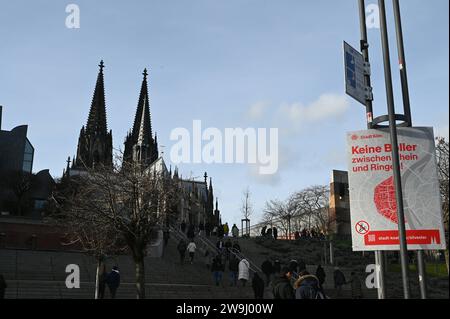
(233, 63)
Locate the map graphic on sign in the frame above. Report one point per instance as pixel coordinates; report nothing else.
(372, 190)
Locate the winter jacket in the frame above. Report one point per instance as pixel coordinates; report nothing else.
(244, 270)
(113, 279)
(282, 289)
(307, 287)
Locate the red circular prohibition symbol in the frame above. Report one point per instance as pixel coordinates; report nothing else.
(362, 227)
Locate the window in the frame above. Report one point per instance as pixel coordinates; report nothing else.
(28, 157)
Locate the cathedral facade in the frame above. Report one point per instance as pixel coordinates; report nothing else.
(196, 204)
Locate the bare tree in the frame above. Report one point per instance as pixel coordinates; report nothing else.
(247, 206)
(442, 152)
(119, 206)
(313, 204)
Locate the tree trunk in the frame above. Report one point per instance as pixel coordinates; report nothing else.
(97, 277)
(140, 278)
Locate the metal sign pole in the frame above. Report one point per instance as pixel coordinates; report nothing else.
(379, 255)
(407, 109)
(395, 151)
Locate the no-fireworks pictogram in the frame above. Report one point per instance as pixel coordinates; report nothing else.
(362, 227)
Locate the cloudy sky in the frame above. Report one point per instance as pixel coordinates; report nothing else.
(234, 63)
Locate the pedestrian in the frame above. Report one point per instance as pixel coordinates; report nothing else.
(293, 267)
(233, 267)
(281, 285)
(275, 233)
(113, 281)
(235, 231)
(228, 245)
(191, 232)
(226, 229)
(258, 286)
(220, 231)
(214, 231)
(269, 233)
(307, 287)
(217, 269)
(183, 226)
(339, 281)
(356, 286)
(244, 271)
(208, 259)
(191, 248)
(263, 231)
(267, 269)
(182, 250)
(296, 235)
(166, 236)
(320, 274)
(3, 286)
(220, 245)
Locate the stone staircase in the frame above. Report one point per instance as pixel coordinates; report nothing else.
(41, 274)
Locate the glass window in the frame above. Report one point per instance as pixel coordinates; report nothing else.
(28, 157)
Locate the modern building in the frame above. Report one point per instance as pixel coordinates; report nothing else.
(22, 193)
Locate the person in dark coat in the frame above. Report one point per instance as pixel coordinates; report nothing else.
(267, 269)
(220, 232)
(3, 286)
(183, 226)
(275, 233)
(263, 231)
(258, 286)
(113, 281)
(269, 233)
(191, 232)
(182, 246)
(233, 267)
(339, 281)
(320, 274)
(281, 285)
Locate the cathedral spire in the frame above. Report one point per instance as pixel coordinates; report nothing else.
(143, 108)
(97, 115)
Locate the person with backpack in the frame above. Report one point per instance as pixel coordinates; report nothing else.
(307, 287)
(281, 285)
(320, 274)
(113, 281)
(191, 248)
(339, 281)
(182, 250)
(258, 286)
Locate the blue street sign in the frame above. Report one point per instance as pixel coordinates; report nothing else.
(354, 74)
